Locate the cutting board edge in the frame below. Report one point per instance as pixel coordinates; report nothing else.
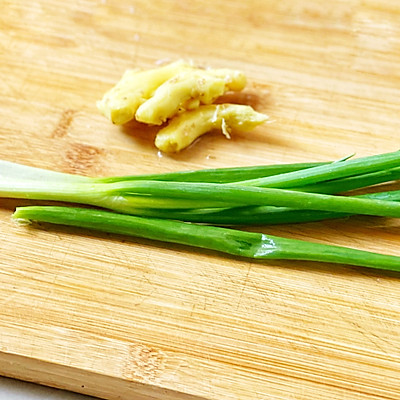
(82, 381)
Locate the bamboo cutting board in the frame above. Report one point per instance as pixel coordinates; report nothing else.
(135, 319)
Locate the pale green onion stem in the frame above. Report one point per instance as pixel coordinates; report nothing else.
(129, 196)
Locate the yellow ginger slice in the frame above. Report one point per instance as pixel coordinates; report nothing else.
(154, 95)
(186, 127)
(179, 93)
(234, 80)
(121, 102)
(187, 91)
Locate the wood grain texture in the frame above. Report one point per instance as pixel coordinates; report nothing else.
(124, 319)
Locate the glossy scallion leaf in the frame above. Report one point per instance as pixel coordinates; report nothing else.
(239, 243)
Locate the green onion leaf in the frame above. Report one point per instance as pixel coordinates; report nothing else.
(235, 242)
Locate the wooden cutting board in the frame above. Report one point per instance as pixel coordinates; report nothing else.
(135, 319)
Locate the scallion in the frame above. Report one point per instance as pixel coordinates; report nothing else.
(239, 243)
(168, 206)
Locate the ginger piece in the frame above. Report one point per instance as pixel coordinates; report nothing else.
(182, 95)
(121, 102)
(234, 80)
(186, 91)
(186, 127)
(155, 95)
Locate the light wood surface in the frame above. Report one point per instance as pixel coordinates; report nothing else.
(134, 319)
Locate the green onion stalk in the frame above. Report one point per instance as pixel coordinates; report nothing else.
(134, 196)
(270, 194)
(257, 246)
(259, 215)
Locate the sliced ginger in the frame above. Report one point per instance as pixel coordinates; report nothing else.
(182, 95)
(157, 94)
(121, 102)
(187, 91)
(186, 127)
